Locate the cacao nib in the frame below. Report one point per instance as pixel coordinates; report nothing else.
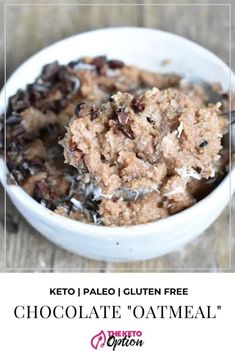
(13, 120)
(62, 72)
(24, 170)
(58, 105)
(29, 136)
(72, 146)
(126, 130)
(18, 175)
(95, 113)
(14, 146)
(20, 101)
(123, 118)
(204, 143)
(198, 169)
(33, 97)
(48, 204)
(19, 130)
(46, 191)
(99, 61)
(36, 166)
(150, 120)
(115, 64)
(11, 165)
(74, 63)
(121, 110)
(10, 179)
(49, 71)
(41, 88)
(78, 108)
(75, 85)
(137, 105)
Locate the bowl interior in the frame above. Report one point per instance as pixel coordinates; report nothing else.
(142, 47)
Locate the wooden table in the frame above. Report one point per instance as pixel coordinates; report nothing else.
(30, 28)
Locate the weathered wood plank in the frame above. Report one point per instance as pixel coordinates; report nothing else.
(31, 28)
(206, 25)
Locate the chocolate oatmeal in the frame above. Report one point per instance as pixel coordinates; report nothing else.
(104, 142)
(144, 150)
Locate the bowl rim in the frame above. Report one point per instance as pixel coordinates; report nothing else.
(195, 46)
(98, 230)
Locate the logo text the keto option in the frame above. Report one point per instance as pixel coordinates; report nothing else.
(115, 339)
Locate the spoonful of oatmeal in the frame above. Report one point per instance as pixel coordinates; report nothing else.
(145, 152)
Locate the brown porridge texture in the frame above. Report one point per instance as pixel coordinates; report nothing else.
(136, 153)
(152, 144)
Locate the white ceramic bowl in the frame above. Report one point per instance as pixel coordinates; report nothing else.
(146, 48)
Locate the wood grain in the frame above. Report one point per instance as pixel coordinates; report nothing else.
(30, 28)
